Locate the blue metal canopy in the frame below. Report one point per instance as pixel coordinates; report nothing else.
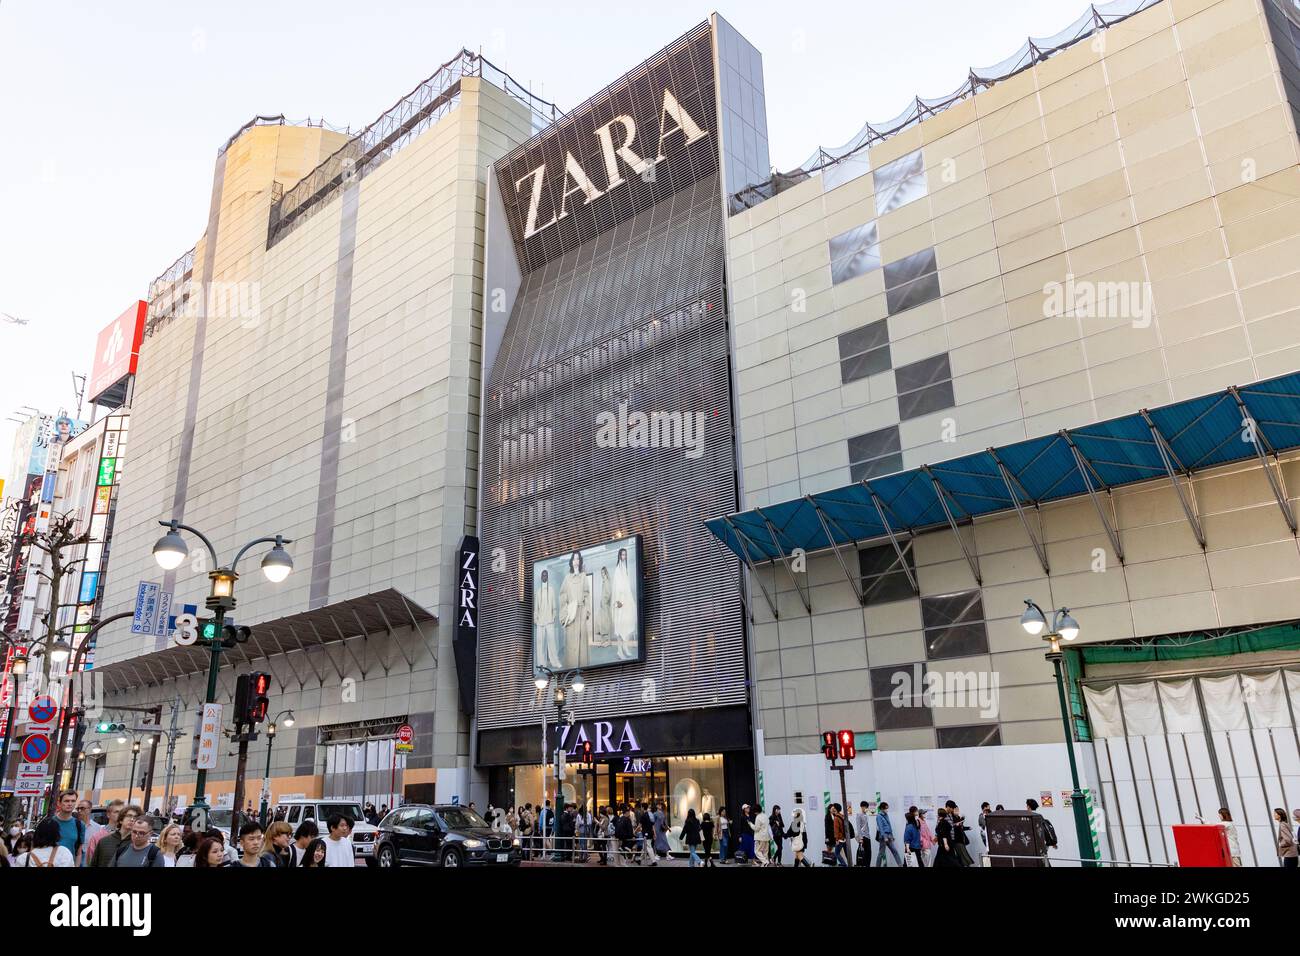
(1173, 442)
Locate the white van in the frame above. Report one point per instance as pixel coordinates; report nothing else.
(294, 812)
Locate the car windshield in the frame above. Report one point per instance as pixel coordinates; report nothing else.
(460, 818)
(350, 810)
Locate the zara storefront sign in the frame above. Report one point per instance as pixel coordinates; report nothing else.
(602, 737)
(674, 121)
(467, 588)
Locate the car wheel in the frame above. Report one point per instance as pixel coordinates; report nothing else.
(451, 857)
(387, 857)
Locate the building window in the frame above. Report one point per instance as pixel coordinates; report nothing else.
(854, 253)
(864, 351)
(898, 697)
(975, 735)
(875, 453)
(924, 387)
(900, 182)
(885, 575)
(911, 281)
(954, 625)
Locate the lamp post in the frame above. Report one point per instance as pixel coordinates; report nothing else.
(1064, 627)
(169, 552)
(130, 783)
(266, 780)
(544, 677)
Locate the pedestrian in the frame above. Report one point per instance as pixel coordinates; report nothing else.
(691, 836)
(92, 828)
(210, 853)
(724, 835)
(230, 854)
(279, 844)
(316, 854)
(646, 837)
(251, 840)
(862, 831)
(912, 839)
(339, 842)
(982, 820)
(927, 834)
(1230, 831)
(776, 824)
(72, 831)
(885, 837)
(114, 810)
(11, 835)
(762, 836)
(959, 829)
(584, 826)
(1295, 815)
(660, 832)
(839, 830)
(302, 837)
(137, 851)
(1044, 826)
(625, 831)
(372, 815)
(170, 843)
(108, 843)
(798, 834)
(742, 833)
(47, 848)
(23, 844)
(545, 824)
(189, 847)
(706, 839)
(1286, 848)
(945, 840)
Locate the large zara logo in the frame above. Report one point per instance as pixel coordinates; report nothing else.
(601, 737)
(673, 119)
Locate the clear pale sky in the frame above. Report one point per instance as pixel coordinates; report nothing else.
(111, 113)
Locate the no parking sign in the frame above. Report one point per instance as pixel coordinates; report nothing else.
(36, 748)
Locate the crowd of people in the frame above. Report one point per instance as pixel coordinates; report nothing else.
(68, 837)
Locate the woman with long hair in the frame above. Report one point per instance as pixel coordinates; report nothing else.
(1286, 848)
(945, 839)
(625, 611)
(210, 854)
(314, 855)
(45, 850)
(575, 611)
(798, 834)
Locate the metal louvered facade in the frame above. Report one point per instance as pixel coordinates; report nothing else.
(620, 305)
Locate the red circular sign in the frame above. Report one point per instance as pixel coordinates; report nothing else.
(43, 709)
(405, 734)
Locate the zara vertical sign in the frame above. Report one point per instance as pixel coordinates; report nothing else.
(465, 643)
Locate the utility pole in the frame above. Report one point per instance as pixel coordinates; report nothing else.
(156, 713)
(171, 754)
(244, 737)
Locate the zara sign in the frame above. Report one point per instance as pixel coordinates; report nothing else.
(674, 121)
(602, 734)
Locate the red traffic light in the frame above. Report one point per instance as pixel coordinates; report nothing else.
(830, 746)
(848, 747)
(585, 752)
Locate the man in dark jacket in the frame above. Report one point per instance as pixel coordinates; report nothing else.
(106, 848)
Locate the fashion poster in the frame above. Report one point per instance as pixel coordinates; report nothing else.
(587, 607)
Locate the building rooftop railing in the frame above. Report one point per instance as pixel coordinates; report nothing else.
(1035, 50)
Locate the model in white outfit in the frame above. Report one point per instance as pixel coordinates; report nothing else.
(547, 653)
(625, 614)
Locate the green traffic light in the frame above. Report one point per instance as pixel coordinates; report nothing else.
(209, 630)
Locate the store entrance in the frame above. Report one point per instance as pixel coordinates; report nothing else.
(640, 780)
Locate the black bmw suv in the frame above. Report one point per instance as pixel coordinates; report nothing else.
(418, 834)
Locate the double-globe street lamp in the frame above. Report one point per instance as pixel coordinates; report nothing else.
(1063, 628)
(169, 552)
(266, 781)
(542, 679)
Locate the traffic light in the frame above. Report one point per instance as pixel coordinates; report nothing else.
(208, 628)
(251, 697)
(586, 754)
(848, 746)
(830, 747)
(232, 634)
(108, 727)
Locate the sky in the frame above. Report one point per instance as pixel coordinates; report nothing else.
(111, 114)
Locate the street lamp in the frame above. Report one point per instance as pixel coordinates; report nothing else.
(169, 551)
(135, 754)
(1064, 628)
(542, 678)
(60, 651)
(266, 780)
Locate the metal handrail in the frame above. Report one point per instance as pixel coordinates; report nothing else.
(1069, 859)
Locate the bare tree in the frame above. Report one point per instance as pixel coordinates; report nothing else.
(53, 542)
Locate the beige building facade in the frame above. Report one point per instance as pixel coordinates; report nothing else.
(1113, 228)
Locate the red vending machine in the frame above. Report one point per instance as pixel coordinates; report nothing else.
(1202, 844)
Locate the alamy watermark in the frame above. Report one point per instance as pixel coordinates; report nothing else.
(1086, 299)
(915, 687)
(636, 429)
